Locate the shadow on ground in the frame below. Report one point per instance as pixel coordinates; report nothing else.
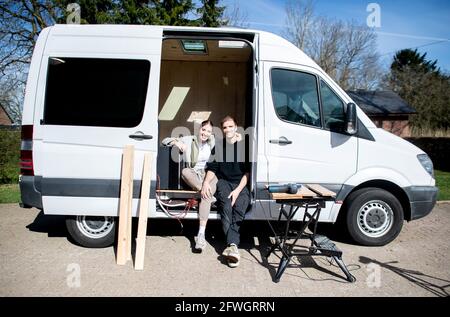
(54, 226)
(435, 285)
(256, 238)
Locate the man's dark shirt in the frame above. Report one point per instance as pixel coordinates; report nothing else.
(229, 161)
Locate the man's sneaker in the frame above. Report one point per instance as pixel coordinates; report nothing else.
(200, 242)
(232, 255)
(226, 251)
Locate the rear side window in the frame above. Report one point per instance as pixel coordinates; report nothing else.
(96, 92)
(295, 97)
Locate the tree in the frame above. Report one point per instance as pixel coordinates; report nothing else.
(344, 50)
(411, 58)
(210, 13)
(174, 12)
(424, 87)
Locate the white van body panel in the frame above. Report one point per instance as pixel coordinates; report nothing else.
(33, 78)
(63, 152)
(390, 158)
(316, 155)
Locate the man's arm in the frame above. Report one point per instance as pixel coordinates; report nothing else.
(243, 182)
(235, 193)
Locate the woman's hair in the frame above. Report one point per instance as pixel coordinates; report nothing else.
(228, 118)
(206, 122)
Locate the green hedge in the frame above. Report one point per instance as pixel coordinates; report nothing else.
(9, 156)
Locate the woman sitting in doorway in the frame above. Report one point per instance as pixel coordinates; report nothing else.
(196, 152)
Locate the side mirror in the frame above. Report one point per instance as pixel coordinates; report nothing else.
(351, 119)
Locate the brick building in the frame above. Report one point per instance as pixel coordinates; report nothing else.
(5, 119)
(386, 109)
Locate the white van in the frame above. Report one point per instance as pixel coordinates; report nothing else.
(92, 89)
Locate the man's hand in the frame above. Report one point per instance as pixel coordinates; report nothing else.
(234, 196)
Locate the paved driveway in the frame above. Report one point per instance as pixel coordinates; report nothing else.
(38, 260)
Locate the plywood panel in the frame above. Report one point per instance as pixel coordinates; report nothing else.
(172, 51)
(303, 192)
(213, 86)
(322, 191)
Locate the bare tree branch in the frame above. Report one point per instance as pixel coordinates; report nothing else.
(344, 50)
(236, 16)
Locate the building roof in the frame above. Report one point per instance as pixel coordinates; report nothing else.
(381, 103)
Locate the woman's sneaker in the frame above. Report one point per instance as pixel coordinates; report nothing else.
(200, 242)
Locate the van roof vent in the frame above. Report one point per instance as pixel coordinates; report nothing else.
(194, 46)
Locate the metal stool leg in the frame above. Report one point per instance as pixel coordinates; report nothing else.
(283, 265)
(344, 269)
(274, 246)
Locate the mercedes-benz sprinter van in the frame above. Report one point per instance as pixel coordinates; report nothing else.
(92, 89)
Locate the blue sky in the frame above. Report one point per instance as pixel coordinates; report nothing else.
(424, 25)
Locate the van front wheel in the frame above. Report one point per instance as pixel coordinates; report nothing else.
(374, 216)
(92, 231)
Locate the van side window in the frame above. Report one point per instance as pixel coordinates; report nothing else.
(96, 92)
(295, 96)
(332, 107)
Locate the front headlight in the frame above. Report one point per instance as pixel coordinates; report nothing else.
(426, 162)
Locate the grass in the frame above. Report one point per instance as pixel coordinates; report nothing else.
(9, 194)
(443, 183)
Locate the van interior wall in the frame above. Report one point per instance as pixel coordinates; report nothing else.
(218, 87)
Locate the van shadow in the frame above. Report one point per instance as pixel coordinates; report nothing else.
(54, 226)
(334, 231)
(427, 282)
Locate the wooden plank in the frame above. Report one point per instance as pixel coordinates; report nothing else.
(176, 191)
(321, 190)
(143, 212)
(130, 208)
(302, 193)
(124, 204)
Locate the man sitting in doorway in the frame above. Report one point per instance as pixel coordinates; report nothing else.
(231, 166)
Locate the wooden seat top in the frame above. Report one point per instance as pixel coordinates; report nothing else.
(307, 191)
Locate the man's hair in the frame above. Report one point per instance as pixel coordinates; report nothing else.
(228, 118)
(206, 122)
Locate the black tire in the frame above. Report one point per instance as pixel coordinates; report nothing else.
(374, 217)
(92, 231)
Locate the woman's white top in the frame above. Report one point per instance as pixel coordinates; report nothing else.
(204, 152)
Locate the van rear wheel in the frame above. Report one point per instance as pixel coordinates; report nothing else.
(92, 231)
(374, 216)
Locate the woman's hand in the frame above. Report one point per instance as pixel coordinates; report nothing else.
(180, 145)
(234, 196)
(206, 190)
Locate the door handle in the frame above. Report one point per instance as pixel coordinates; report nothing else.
(139, 136)
(281, 141)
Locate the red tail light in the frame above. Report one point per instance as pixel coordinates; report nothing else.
(26, 151)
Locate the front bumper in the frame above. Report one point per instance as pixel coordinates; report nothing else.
(422, 200)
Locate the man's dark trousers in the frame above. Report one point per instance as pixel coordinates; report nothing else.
(231, 216)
